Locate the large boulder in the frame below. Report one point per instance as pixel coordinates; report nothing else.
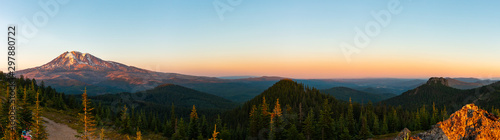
(469, 123)
(436, 133)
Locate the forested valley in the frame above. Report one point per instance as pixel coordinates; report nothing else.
(287, 110)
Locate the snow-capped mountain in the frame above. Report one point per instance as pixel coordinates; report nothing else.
(71, 71)
(75, 60)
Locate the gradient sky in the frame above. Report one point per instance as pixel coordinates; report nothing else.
(290, 38)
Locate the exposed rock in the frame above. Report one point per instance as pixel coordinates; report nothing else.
(437, 80)
(405, 134)
(468, 123)
(436, 133)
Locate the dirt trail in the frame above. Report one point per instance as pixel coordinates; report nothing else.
(59, 131)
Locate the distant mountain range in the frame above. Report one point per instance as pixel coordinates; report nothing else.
(71, 71)
(345, 93)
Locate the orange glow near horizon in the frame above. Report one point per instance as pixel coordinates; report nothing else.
(324, 69)
(321, 66)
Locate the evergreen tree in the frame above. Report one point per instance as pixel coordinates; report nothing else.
(214, 135)
(394, 121)
(290, 116)
(133, 118)
(276, 124)
(170, 128)
(180, 131)
(293, 133)
(351, 123)
(225, 134)
(140, 122)
(494, 111)
(254, 122)
(417, 122)
(376, 125)
(204, 130)
(39, 129)
(25, 112)
(344, 130)
(424, 118)
(182, 128)
(345, 134)
(87, 118)
(218, 121)
(167, 129)
(300, 117)
(435, 117)
(154, 123)
(384, 129)
(339, 126)
(309, 125)
(364, 132)
(265, 115)
(193, 124)
(325, 120)
(125, 126)
(444, 114)
(7, 133)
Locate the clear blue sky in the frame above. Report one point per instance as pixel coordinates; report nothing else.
(292, 38)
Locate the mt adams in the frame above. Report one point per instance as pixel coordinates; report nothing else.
(71, 71)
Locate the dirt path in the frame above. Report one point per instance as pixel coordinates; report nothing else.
(59, 131)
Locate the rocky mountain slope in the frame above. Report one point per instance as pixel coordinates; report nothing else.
(75, 60)
(438, 91)
(71, 71)
(470, 123)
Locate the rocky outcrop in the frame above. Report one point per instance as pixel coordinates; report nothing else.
(436, 133)
(469, 123)
(438, 80)
(405, 134)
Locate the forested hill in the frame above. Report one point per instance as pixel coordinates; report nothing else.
(161, 98)
(31, 103)
(289, 93)
(437, 91)
(168, 94)
(439, 94)
(345, 93)
(291, 110)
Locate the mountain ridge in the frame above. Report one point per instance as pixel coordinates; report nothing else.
(345, 93)
(442, 95)
(437, 80)
(76, 60)
(84, 69)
